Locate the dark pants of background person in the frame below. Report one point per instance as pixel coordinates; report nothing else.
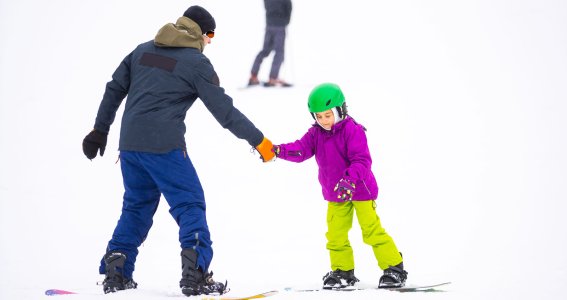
(274, 40)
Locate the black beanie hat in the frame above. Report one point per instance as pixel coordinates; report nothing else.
(202, 17)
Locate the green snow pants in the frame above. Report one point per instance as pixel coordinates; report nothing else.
(339, 222)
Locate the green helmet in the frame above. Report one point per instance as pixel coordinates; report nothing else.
(327, 96)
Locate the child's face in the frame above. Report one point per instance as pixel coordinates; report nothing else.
(326, 119)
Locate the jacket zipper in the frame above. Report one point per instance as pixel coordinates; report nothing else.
(367, 189)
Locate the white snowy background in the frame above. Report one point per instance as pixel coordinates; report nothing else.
(465, 106)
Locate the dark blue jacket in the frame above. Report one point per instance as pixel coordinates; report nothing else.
(162, 79)
(278, 12)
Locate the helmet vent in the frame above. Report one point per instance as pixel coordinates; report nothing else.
(328, 102)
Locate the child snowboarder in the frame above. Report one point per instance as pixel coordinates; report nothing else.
(340, 148)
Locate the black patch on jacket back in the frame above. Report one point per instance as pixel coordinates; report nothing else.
(158, 61)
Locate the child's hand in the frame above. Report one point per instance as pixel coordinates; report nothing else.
(276, 150)
(345, 189)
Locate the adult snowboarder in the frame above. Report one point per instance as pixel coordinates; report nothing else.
(162, 79)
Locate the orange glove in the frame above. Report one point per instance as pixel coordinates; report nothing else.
(265, 150)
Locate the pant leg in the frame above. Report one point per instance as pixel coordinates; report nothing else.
(375, 235)
(266, 50)
(141, 199)
(279, 51)
(177, 179)
(339, 222)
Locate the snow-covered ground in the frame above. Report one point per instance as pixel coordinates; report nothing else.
(464, 102)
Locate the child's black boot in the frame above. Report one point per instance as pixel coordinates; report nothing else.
(394, 277)
(339, 279)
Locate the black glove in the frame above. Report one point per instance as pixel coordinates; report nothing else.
(93, 141)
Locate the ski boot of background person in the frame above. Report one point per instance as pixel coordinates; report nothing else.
(276, 82)
(253, 80)
(114, 279)
(394, 277)
(339, 279)
(193, 281)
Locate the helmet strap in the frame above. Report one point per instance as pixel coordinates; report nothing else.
(320, 125)
(338, 114)
(342, 110)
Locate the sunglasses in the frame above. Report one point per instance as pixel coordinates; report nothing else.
(210, 34)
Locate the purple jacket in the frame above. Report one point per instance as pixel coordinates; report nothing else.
(341, 152)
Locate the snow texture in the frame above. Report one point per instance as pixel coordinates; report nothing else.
(464, 102)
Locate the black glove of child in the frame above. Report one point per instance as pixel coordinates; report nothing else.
(94, 141)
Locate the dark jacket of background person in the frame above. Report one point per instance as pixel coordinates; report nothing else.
(278, 12)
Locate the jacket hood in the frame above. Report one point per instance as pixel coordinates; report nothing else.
(184, 33)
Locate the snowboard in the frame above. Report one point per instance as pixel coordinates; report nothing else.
(420, 288)
(55, 292)
(256, 296)
(280, 85)
(58, 292)
(404, 289)
(264, 84)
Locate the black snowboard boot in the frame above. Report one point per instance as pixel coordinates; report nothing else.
(114, 279)
(394, 277)
(339, 279)
(193, 280)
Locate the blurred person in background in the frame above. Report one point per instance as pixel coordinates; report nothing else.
(278, 15)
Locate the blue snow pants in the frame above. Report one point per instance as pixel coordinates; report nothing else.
(146, 176)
